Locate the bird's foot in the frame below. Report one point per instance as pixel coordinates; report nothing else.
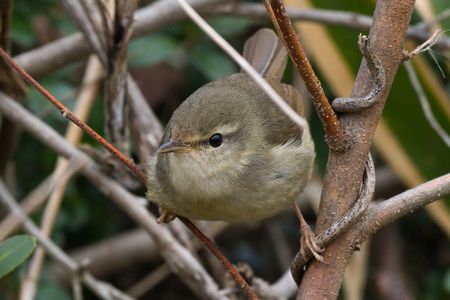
(307, 239)
(165, 216)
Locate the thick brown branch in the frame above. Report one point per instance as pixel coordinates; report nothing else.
(344, 170)
(334, 134)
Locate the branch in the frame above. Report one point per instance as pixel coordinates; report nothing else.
(334, 134)
(116, 104)
(181, 261)
(69, 49)
(393, 208)
(138, 172)
(73, 135)
(68, 114)
(344, 170)
(419, 32)
(245, 65)
(54, 55)
(101, 289)
(425, 104)
(37, 197)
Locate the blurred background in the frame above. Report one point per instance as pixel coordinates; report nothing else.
(409, 259)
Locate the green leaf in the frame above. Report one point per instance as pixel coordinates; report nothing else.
(14, 251)
(152, 49)
(228, 27)
(211, 62)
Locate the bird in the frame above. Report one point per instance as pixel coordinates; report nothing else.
(228, 153)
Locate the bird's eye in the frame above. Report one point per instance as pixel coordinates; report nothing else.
(216, 140)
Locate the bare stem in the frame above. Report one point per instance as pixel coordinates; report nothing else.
(335, 137)
(282, 105)
(393, 208)
(132, 166)
(69, 115)
(182, 262)
(103, 290)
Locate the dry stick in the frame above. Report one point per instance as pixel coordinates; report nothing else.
(111, 51)
(334, 133)
(149, 281)
(424, 103)
(116, 102)
(355, 104)
(396, 207)
(418, 32)
(180, 259)
(242, 283)
(37, 197)
(70, 116)
(101, 289)
(73, 136)
(82, 18)
(134, 168)
(244, 64)
(145, 127)
(54, 55)
(49, 57)
(210, 244)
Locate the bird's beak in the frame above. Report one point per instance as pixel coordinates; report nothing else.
(173, 146)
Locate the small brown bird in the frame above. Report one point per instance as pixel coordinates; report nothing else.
(228, 153)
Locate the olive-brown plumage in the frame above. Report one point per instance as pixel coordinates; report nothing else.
(228, 153)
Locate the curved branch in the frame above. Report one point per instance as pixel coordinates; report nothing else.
(393, 208)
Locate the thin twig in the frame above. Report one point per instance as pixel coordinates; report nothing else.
(354, 104)
(73, 136)
(242, 283)
(426, 25)
(138, 172)
(282, 105)
(49, 57)
(181, 261)
(424, 103)
(149, 281)
(425, 46)
(37, 197)
(334, 133)
(70, 116)
(101, 289)
(83, 19)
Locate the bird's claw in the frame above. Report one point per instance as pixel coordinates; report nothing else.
(165, 216)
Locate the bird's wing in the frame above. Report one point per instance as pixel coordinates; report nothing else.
(265, 52)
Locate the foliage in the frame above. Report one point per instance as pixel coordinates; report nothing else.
(14, 251)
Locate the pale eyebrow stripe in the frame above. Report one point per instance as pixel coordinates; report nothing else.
(226, 129)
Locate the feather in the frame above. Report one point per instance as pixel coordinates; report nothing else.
(265, 52)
